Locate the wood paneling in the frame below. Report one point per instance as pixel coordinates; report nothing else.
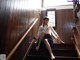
(65, 24)
(4, 15)
(14, 21)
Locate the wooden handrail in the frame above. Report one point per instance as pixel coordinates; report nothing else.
(77, 38)
(76, 46)
(17, 45)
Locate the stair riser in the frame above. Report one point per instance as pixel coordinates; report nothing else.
(55, 52)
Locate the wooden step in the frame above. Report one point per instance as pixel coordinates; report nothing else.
(58, 46)
(58, 52)
(34, 57)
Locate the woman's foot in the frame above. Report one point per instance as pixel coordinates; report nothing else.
(52, 56)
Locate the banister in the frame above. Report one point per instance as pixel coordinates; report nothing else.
(17, 45)
(77, 40)
(76, 45)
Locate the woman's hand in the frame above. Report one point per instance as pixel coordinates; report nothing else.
(35, 40)
(60, 41)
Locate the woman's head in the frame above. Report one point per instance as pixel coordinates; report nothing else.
(45, 21)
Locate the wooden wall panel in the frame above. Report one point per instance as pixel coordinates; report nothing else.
(4, 15)
(64, 24)
(20, 20)
(14, 21)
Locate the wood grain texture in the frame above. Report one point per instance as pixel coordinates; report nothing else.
(65, 23)
(14, 21)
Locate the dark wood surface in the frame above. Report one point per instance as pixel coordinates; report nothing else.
(4, 16)
(65, 23)
(14, 21)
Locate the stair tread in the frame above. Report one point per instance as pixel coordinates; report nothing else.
(48, 58)
(58, 46)
(53, 49)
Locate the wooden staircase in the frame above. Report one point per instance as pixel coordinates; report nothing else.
(60, 51)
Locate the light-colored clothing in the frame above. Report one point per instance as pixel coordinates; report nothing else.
(47, 30)
(44, 29)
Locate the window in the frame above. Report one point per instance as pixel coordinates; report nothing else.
(51, 16)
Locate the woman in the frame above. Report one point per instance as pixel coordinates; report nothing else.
(44, 34)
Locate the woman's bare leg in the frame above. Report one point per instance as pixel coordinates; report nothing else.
(40, 39)
(37, 48)
(49, 48)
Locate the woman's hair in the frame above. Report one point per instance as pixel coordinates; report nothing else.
(46, 18)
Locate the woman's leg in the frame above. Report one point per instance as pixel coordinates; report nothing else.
(40, 39)
(49, 48)
(37, 48)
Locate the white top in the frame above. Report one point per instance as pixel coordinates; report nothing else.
(44, 29)
(47, 30)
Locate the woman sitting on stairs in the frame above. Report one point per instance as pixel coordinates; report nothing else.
(44, 35)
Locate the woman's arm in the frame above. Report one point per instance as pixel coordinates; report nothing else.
(55, 35)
